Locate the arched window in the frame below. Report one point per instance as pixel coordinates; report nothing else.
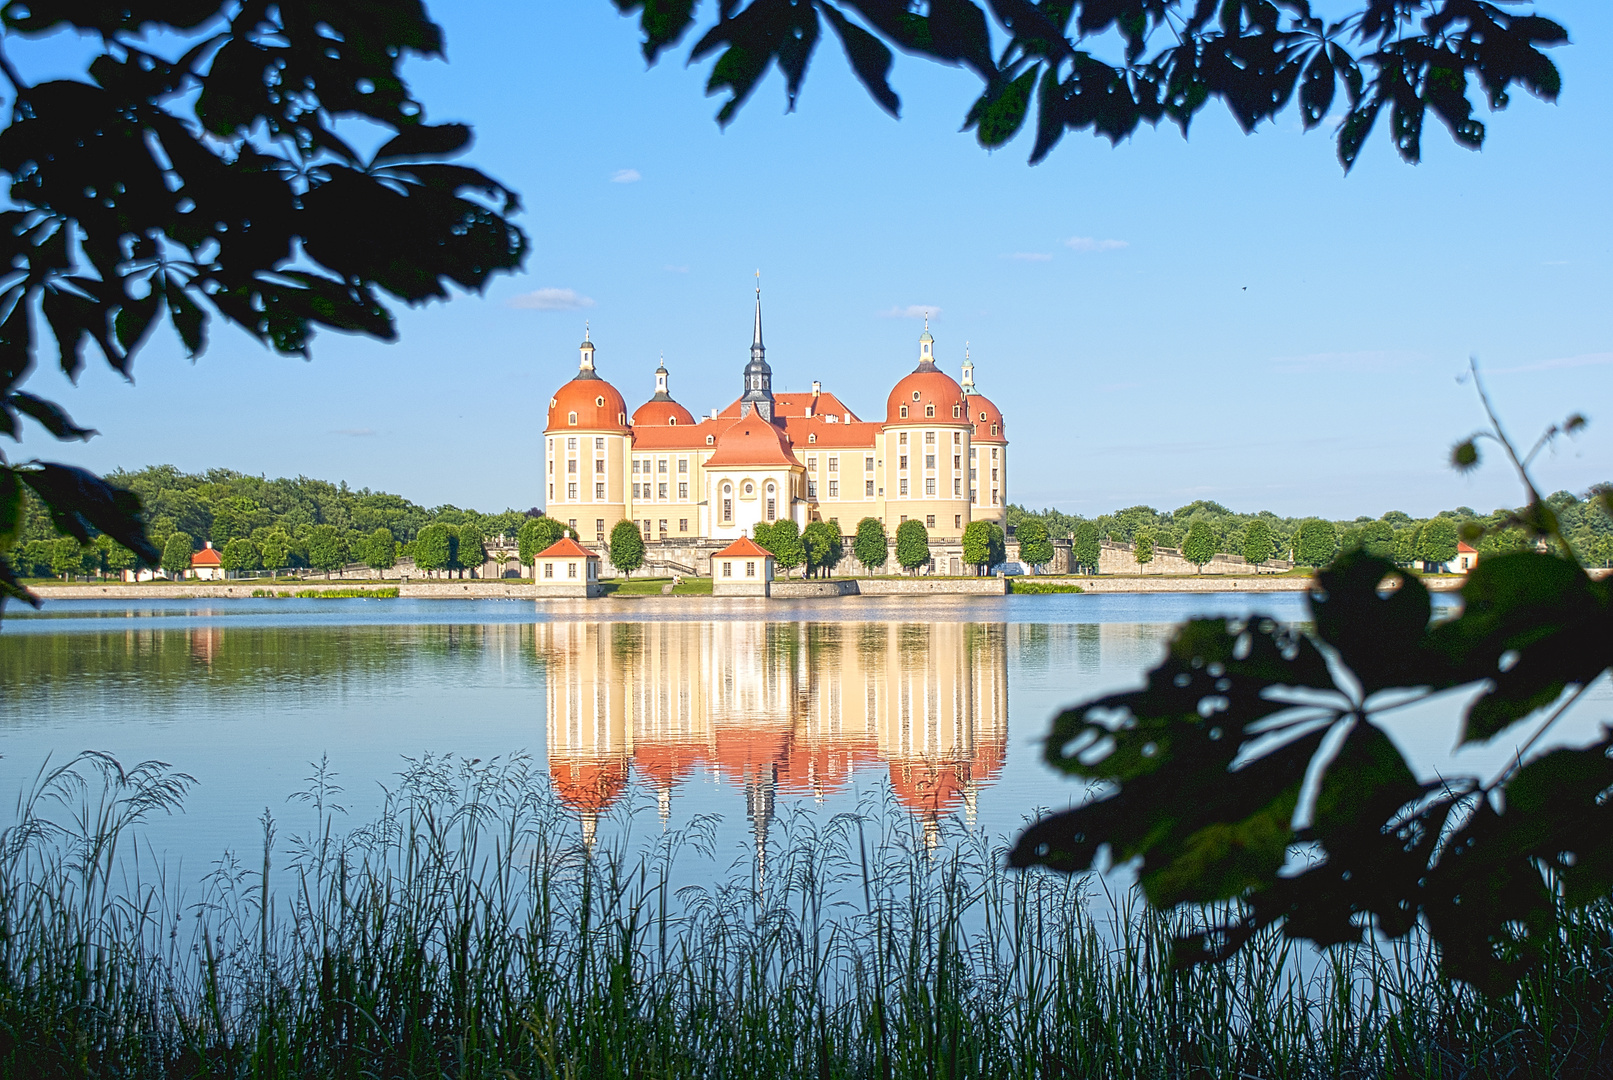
(929, 410)
(812, 438)
(571, 418)
(904, 413)
(710, 439)
(957, 411)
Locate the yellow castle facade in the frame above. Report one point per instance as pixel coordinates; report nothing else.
(939, 455)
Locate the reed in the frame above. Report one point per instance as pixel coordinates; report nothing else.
(469, 931)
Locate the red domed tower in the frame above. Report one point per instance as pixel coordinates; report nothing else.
(925, 444)
(661, 410)
(587, 449)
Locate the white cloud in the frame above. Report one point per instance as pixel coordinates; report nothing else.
(1088, 243)
(626, 176)
(552, 300)
(1595, 359)
(1030, 256)
(912, 311)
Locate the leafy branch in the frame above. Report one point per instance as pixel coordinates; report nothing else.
(1203, 773)
(1406, 58)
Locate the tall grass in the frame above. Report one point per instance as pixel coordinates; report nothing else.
(469, 932)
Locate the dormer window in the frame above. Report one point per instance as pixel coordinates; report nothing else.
(957, 411)
(982, 418)
(599, 402)
(994, 429)
(812, 438)
(915, 395)
(672, 421)
(710, 439)
(929, 410)
(904, 414)
(571, 418)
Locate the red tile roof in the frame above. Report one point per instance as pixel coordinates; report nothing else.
(752, 441)
(565, 548)
(743, 548)
(208, 556)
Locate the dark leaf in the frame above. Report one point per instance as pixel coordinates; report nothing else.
(1000, 112)
(870, 60)
(52, 417)
(82, 504)
(11, 508)
(424, 141)
(12, 588)
(663, 22)
(1381, 636)
(16, 341)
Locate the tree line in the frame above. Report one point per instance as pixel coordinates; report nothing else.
(260, 524)
(1203, 529)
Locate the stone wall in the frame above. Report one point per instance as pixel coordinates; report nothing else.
(1116, 558)
(985, 586)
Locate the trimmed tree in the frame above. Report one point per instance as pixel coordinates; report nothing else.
(1317, 542)
(1258, 545)
(327, 549)
(824, 549)
(275, 551)
(67, 557)
(1086, 547)
(626, 547)
(1035, 546)
(471, 552)
(238, 555)
(783, 539)
(380, 550)
(432, 548)
(1142, 547)
(999, 546)
(536, 536)
(912, 545)
(872, 545)
(1436, 543)
(176, 554)
(1199, 547)
(977, 545)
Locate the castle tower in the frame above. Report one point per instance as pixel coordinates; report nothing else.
(758, 395)
(588, 446)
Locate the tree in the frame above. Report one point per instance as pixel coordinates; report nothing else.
(1201, 771)
(176, 553)
(432, 549)
(1035, 547)
(275, 550)
(1376, 538)
(1178, 56)
(1436, 542)
(977, 543)
(998, 553)
(119, 558)
(208, 152)
(67, 557)
(1258, 546)
(1199, 547)
(238, 555)
(537, 535)
(327, 549)
(380, 550)
(1143, 547)
(912, 545)
(1316, 543)
(1085, 547)
(872, 545)
(783, 539)
(470, 553)
(626, 547)
(823, 545)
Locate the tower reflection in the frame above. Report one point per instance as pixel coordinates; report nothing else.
(775, 709)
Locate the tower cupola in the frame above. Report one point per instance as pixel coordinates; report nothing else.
(758, 395)
(926, 347)
(968, 373)
(585, 366)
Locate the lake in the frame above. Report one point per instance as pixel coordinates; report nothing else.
(646, 713)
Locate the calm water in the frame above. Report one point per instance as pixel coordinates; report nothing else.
(651, 710)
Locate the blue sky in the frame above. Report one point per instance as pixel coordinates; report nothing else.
(1225, 317)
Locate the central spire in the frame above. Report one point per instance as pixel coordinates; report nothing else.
(758, 395)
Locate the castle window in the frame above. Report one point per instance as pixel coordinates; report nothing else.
(660, 466)
(903, 413)
(683, 465)
(661, 490)
(662, 528)
(902, 489)
(621, 418)
(635, 466)
(710, 439)
(812, 489)
(683, 525)
(727, 569)
(571, 491)
(750, 569)
(868, 489)
(929, 521)
(683, 491)
(957, 485)
(812, 464)
(929, 487)
(599, 491)
(812, 438)
(982, 418)
(834, 489)
(902, 438)
(599, 465)
(994, 429)
(929, 410)
(750, 489)
(994, 453)
(548, 569)
(957, 438)
(571, 418)
(957, 411)
(599, 402)
(957, 521)
(929, 461)
(834, 464)
(929, 437)
(902, 462)
(599, 444)
(599, 528)
(571, 465)
(772, 509)
(571, 443)
(915, 395)
(671, 421)
(571, 569)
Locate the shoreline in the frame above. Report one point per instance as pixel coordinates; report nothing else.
(502, 590)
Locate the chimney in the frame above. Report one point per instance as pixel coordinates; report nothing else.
(817, 388)
(207, 543)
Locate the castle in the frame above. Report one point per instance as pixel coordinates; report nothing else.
(939, 455)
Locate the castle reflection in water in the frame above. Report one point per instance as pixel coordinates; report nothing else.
(775, 708)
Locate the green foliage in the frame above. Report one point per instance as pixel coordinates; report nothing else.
(275, 550)
(1436, 542)
(1168, 60)
(470, 552)
(784, 540)
(380, 549)
(824, 547)
(912, 545)
(1201, 773)
(1035, 547)
(1143, 546)
(1258, 544)
(1086, 547)
(626, 547)
(872, 545)
(1316, 542)
(386, 593)
(183, 176)
(1020, 585)
(540, 534)
(327, 549)
(977, 545)
(239, 554)
(1199, 547)
(1376, 538)
(432, 548)
(68, 557)
(176, 553)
